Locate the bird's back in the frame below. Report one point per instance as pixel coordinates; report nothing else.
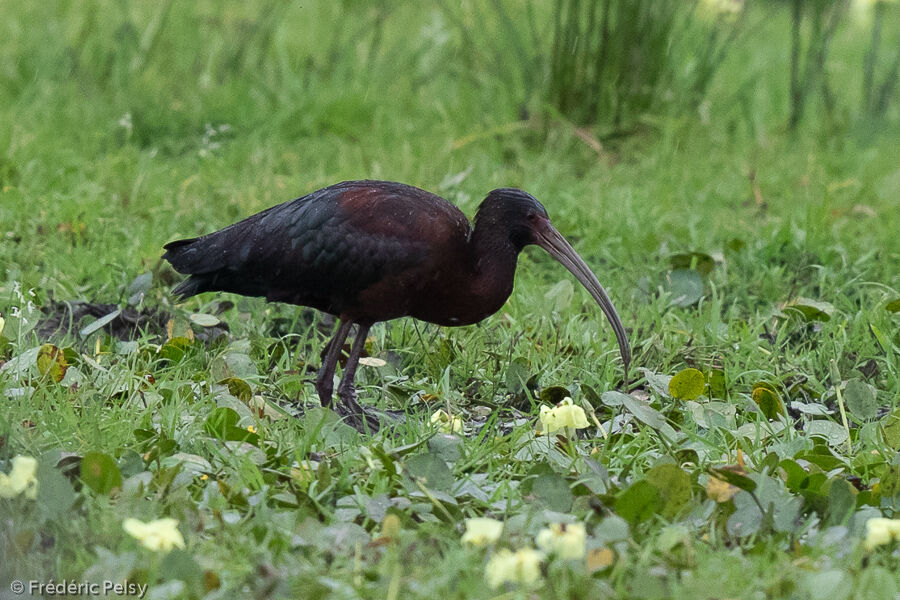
(360, 245)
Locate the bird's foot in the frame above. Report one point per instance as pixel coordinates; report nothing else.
(363, 418)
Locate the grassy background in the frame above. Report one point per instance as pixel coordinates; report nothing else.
(126, 125)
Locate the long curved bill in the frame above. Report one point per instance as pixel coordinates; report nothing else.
(556, 245)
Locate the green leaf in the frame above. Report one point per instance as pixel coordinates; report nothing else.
(431, 470)
(685, 287)
(51, 362)
(55, 494)
(860, 400)
(811, 310)
(643, 411)
(238, 388)
(140, 286)
(639, 502)
(768, 400)
(551, 490)
(554, 394)
(674, 487)
(204, 320)
(876, 583)
(100, 323)
(100, 472)
(717, 385)
(687, 384)
(222, 424)
(891, 423)
(698, 261)
(736, 479)
(833, 433)
(175, 348)
(517, 376)
(893, 306)
(841, 501)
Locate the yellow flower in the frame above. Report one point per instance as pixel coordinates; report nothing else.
(3, 322)
(482, 531)
(21, 478)
(251, 428)
(567, 541)
(564, 415)
(447, 423)
(522, 566)
(160, 535)
(880, 531)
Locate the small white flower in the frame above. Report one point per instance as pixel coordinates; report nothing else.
(21, 478)
(567, 541)
(565, 415)
(522, 566)
(447, 423)
(160, 535)
(482, 531)
(881, 531)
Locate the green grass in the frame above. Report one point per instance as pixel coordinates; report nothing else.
(118, 137)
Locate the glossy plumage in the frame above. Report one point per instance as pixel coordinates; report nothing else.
(369, 251)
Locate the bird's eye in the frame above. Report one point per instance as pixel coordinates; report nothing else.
(532, 217)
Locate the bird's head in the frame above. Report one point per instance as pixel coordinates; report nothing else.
(525, 221)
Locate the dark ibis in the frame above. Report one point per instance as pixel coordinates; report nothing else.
(370, 251)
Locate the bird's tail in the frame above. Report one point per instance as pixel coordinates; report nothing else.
(193, 257)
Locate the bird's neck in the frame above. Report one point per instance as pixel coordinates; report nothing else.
(495, 258)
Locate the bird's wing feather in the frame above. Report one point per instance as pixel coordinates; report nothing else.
(323, 249)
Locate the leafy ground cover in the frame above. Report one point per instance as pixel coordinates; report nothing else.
(756, 269)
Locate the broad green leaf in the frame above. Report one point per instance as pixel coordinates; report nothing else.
(100, 323)
(717, 385)
(891, 423)
(893, 306)
(613, 398)
(51, 362)
(517, 376)
(841, 500)
(644, 412)
(204, 320)
(833, 433)
(431, 470)
(768, 400)
(554, 394)
(658, 382)
(687, 384)
(55, 494)
(674, 487)
(811, 310)
(685, 287)
(222, 424)
(175, 348)
(639, 502)
(100, 472)
(876, 583)
(734, 477)
(140, 286)
(833, 584)
(860, 400)
(551, 491)
(238, 388)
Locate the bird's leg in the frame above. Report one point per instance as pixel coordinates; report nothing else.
(325, 378)
(355, 414)
(346, 389)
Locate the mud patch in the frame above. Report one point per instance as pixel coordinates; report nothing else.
(68, 318)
